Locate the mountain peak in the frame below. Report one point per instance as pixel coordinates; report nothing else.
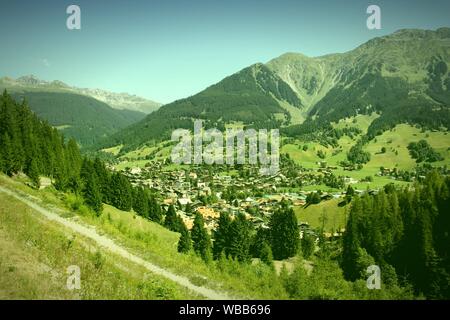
(30, 80)
(119, 101)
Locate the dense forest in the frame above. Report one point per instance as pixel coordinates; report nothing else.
(83, 118)
(32, 146)
(404, 231)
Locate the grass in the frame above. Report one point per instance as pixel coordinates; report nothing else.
(158, 245)
(35, 254)
(395, 141)
(113, 150)
(313, 214)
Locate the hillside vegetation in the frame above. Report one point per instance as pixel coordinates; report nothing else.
(380, 76)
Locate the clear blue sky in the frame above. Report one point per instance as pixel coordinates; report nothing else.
(166, 49)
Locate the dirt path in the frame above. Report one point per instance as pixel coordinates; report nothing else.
(117, 249)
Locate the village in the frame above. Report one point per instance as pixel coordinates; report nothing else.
(211, 191)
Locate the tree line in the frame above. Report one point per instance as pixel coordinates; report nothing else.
(236, 238)
(405, 232)
(34, 147)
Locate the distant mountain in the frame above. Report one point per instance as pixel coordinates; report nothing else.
(77, 116)
(121, 101)
(403, 76)
(254, 96)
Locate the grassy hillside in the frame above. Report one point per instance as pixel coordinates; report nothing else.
(157, 245)
(327, 214)
(35, 254)
(396, 156)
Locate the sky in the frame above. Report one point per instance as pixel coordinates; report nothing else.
(170, 49)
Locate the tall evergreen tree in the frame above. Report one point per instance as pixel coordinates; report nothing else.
(200, 238)
(170, 221)
(121, 192)
(155, 212)
(284, 233)
(239, 237)
(140, 203)
(185, 242)
(92, 195)
(266, 254)
(32, 172)
(221, 236)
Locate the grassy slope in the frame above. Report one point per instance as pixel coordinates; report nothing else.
(35, 253)
(394, 140)
(159, 246)
(334, 215)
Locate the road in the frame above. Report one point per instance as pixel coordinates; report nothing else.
(111, 246)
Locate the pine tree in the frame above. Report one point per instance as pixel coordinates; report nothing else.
(121, 192)
(92, 195)
(284, 233)
(7, 161)
(351, 241)
(221, 236)
(33, 173)
(200, 238)
(262, 235)
(170, 222)
(266, 254)
(140, 203)
(155, 212)
(239, 238)
(185, 242)
(308, 245)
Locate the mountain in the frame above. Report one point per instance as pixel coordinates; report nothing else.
(83, 118)
(403, 76)
(120, 101)
(88, 115)
(255, 96)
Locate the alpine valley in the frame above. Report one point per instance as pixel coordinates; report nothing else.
(363, 184)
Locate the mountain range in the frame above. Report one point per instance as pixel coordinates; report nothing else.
(402, 76)
(120, 101)
(88, 115)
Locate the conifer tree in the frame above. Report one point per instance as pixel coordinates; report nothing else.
(239, 238)
(170, 221)
(155, 212)
(284, 233)
(121, 192)
(185, 242)
(92, 195)
(221, 236)
(200, 238)
(33, 173)
(140, 203)
(307, 245)
(266, 254)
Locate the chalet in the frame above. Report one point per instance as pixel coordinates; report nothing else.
(136, 171)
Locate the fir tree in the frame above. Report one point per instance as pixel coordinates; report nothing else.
(308, 245)
(140, 203)
(284, 233)
(239, 238)
(92, 195)
(266, 254)
(33, 173)
(221, 235)
(155, 212)
(200, 238)
(185, 242)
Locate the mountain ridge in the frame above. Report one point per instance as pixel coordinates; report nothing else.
(400, 76)
(120, 101)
